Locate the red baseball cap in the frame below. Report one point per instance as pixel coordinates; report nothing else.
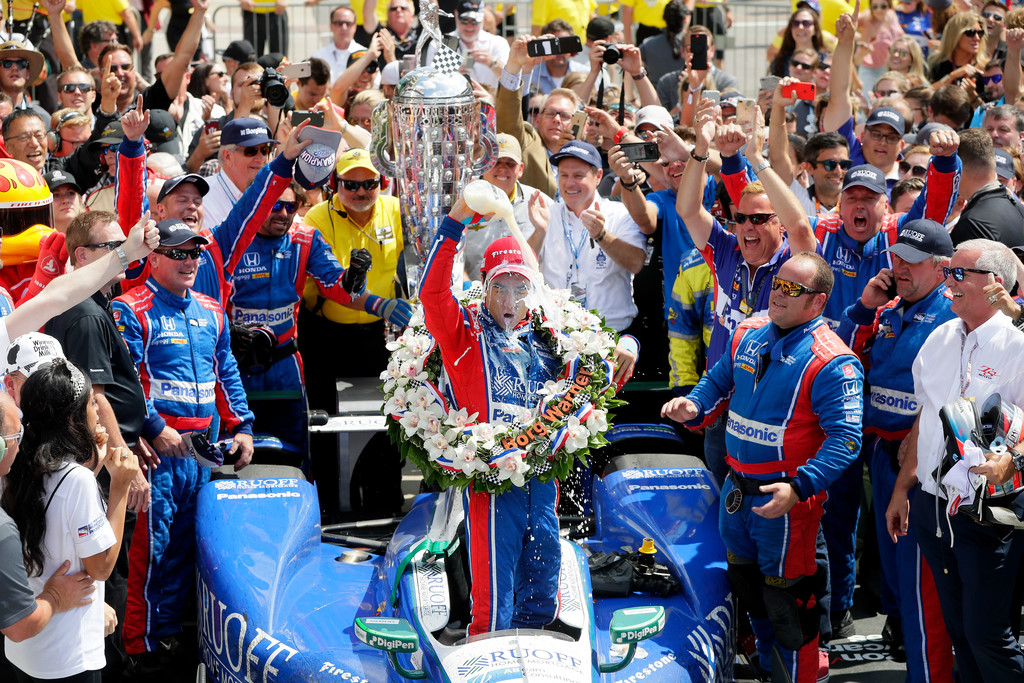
(504, 255)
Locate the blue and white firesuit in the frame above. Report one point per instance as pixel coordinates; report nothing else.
(183, 351)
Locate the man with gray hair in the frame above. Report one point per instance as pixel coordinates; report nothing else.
(1005, 125)
(973, 356)
(246, 146)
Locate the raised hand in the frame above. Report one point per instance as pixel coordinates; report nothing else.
(135, 122)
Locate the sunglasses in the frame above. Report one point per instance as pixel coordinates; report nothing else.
(998, 18)
(915, 170)
(887, 93)
(368, 185)
(14, 63)
(824, 67)
(109, 246)
(219, 74)
(958, 273)
(109, 148)
(879, 7)
(794, 64)
(466, 21)
(988, 80)
(973, 33)
(899, 53)
(802, 23)
(289, 207)
(793, 289)
(832, 164)
(372, 67)
(265, 150)
(181, 254)
(127, 66)
(754, 218)
(80, 87)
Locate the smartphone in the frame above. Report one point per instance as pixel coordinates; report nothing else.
(451, 42)
(211, 126)
(713, 95)
(316, 118)
(578, 124)
(801, 91)
(769, 83)
(890, 291)
(299, 70)
(745, 112)
(699, 51)
(641, 152)
(545, 47)
(468, 63)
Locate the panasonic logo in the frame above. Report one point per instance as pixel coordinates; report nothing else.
(896, 402)
(753, 431)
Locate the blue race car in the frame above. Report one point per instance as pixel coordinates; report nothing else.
(280, 599)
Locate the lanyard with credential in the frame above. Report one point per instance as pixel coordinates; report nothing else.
(574, 249)
(739, 282)
(966, 383)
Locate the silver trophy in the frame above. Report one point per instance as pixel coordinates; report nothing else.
(425, 137)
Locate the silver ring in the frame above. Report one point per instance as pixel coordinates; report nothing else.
(992, 299)
(124, 457)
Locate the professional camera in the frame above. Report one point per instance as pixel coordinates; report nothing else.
(612, 53)
(274, 90)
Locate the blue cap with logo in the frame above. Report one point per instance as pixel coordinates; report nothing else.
(584, 151)
(867, 176)
(246, 132)
(315, 164)
(1004, 164)
(889, 117)
(174, 232)
(921, 239)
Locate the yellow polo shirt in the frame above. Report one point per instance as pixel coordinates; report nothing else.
(382, 236)
(109, 10)
(647, 12)
(575, 12)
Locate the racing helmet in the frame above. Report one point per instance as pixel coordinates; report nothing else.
(996, 428)
(26, 205)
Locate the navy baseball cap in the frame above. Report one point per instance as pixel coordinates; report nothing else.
(174, 232)
(240, 51)
(867, 176)
(584, 151)
(889, 117)
(246, 132)
(1004, 163)
(172, 184)
(921, 239)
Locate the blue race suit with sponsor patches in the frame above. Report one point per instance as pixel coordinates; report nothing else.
(795, 405)
(514, 553)
(854, 263)
(894, 334)
(183, 351)
(267, 290)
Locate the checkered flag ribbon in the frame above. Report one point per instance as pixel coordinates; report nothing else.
(447, 60)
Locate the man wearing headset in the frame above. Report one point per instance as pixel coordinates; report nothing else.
(357, 217)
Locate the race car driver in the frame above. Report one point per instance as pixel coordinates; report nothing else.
(267, 292)
(180, 341)
(788, 438)
(512, 537)
(26, 205)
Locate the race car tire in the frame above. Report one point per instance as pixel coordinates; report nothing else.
(201, 673)
(258, 472)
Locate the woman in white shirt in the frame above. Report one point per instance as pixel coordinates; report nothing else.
(52, 495)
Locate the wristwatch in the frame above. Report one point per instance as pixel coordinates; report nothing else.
(641, 75)
(1018, 460)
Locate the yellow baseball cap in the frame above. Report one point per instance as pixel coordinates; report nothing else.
(354, 158)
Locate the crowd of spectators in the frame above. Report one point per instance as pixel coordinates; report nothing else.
(881, 138)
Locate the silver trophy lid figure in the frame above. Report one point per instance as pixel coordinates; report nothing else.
(425, 137)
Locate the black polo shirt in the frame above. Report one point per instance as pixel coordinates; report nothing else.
(992, 214)
(90, 339)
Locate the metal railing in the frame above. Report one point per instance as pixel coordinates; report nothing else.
(755, 25)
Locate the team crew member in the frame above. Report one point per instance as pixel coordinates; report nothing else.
(788, 438)
(854, 241)
(898, 329)
(513, 536)
(972, 356)
(187, 383)
(267, 292)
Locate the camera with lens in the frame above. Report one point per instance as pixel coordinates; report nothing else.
(612, 53)
(274, 90)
